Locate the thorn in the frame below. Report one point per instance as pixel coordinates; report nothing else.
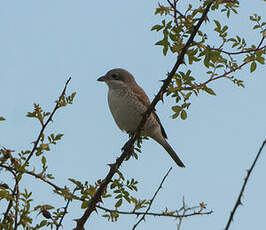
(206, 19)
(100, 200)
(110, 165)
(202, 205)
(161, 96)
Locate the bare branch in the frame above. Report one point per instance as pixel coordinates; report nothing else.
(13, 194)
(39, 176)
(192, 213)
(50, 118)
(239, 52)
(155, 194)
(65, 211)
(238, 201)
(17, 205)
(181, 218)
(57, 106)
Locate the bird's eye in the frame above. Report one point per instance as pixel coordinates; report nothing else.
(115, 76)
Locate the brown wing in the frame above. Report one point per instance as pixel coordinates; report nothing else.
(146, 101)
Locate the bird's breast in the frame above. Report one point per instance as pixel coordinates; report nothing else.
(126, 109)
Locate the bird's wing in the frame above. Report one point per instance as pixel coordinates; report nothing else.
(146, 101)
(162, 129)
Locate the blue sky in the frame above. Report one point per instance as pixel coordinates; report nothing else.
(42, 43)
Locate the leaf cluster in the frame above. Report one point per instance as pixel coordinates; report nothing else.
(219, 63)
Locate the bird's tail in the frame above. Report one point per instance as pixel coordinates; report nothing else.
(162, 141)
(172, 154)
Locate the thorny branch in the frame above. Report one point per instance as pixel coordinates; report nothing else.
(65, 211)
(32, 173)
(128, 146)
(17, 205)
(240, 52)
(176, 11)
(7, 155)
(238, 201)
(194, 211)
(50, 118)
(57, 106)
(151, 201)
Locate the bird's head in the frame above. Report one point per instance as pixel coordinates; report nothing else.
(118, 78)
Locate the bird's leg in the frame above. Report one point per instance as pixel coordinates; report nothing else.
(127, 145)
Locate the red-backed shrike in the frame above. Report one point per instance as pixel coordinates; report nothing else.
(128, 102)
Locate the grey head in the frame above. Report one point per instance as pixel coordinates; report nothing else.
(118, 78)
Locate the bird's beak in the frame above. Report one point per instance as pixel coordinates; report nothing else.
(103, 78)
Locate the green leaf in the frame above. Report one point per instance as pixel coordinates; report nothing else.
(256, 27)
(85, 204)
(224, 29)
(217, 24)
(43, 223)
(118, 196)
(165, 49)
(209, 90)
(174, 116)
(157, 27)
(260, 60)
(78, 183)
(43, 160)
(127, 199)
(45, 147)
(5, 195)
(176, 108)
(2, 118)
(50, 176)
(183, 115)
(173, 37)
(207, 59)
(118, 203)
(160, 43)
(29, 114)
(253, 66)
(58, 137)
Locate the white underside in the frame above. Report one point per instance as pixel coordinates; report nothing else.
(127, 112)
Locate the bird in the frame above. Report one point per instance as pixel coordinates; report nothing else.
(128, 102)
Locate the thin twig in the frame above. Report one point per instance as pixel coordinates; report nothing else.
(184, 213)
(44, 180)
(193, 213)
(57, 106)
(65, 211)
(10, 169)
(13, 194)
(238, 201)
(128, 146)
(50, 118)
(39, 176)
(17, 205)
(176, 11)
(243, 51)
(149, 206)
